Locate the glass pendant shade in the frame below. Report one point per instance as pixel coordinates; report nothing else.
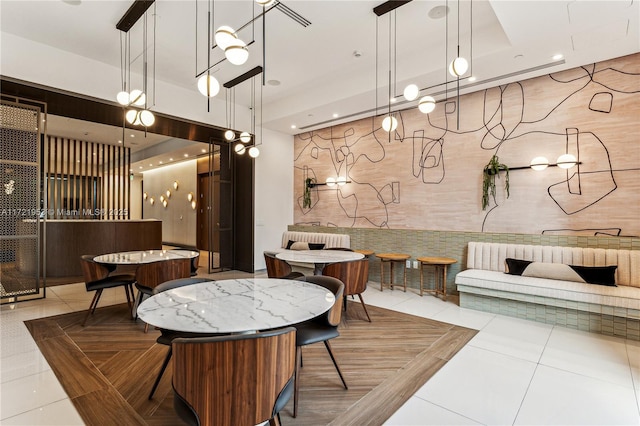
(239, 148)
(341, 180)
(265, 3)
(146, 118)
(225, 36)
(229, 135)
(208, 85)
(411, 92)
(254, 152)
(389, 124)
(132, 117)
(539, 163)
(190, 196)
(193, 204)
(237, 53)
(245, 137)
(123, 98)
(427, 104)
(137, 97)
(566, 161)
(330, 182)
(458, 67)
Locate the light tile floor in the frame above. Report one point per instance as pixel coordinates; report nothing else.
(512, 372)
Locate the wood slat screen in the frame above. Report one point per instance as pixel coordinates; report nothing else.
(87, 180)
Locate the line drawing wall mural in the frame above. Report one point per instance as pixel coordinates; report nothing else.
(591, 112)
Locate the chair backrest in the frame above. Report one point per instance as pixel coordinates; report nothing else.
(339, 248)
(234, 379)
(151, 274)
(180, 282)
(92, 271)
(332, 316)
(354, 275)
(276, 268)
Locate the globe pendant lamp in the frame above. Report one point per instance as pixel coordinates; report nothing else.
(146, 118)
(458, 67)
(229, 135)
(123, 98)
(427, 104)
(389, 124)
(265, 3)
(245, 137)
(137, 98)
(254, 152)
(239, 149)
(208, 85)
(133, 117)
(539, 163)
(411, 92)
(225, 36)
(237, 52)
(566, 161)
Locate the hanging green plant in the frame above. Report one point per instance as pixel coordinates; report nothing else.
(489, 173)
(306, 198)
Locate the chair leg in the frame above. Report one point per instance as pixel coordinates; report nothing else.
(129, 292)
(92, 306)
(296, 383)
(164, 367)
(275, 421)
(326, 344)
(364, 306)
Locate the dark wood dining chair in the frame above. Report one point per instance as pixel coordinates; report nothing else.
(96, 278)
(278, 268)
(320, 329)
(355, 275)
(240, 379)
(167, 336)
(150, 275)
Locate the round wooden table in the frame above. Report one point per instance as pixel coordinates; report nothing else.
(392, 258)
(365, 252)
(440, 270)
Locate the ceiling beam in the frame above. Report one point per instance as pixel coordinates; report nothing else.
(137, 9)
(388, 6)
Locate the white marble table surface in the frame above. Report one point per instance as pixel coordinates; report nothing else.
(236, 306)
(318, 258)
(144, 256)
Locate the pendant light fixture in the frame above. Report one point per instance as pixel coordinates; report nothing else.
(411, 92)
(225, 36)
(236, 52)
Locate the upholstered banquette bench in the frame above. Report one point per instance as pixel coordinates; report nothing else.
(551, 284)
(298, 240)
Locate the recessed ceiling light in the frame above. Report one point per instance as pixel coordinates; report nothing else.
(392, 100)
(150, 165)
(336, 115)
(186, 155)
(119, 141)
(140, 166)
(132, 135)
(203, 150)
(472, 78)
(438, 12)
(273, 82)
(170, 159)
(357, 53)
(293, 126)
(160, 162)
(557, 57)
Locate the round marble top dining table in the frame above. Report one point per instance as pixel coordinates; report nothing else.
(319, 258)
(236, 306)
(144, 256)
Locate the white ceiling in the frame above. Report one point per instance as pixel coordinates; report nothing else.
(318, 72)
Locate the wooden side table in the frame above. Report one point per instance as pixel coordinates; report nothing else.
(393, 258)
(365, 252)
(440, 270)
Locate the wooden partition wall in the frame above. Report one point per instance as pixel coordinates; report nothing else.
(428, 173)
(87, 180)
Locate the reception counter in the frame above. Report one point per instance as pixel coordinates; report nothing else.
(67, 240)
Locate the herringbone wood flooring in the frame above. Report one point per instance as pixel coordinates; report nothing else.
(108, 367)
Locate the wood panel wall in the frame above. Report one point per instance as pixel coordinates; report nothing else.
(87, 180)
(428, 173)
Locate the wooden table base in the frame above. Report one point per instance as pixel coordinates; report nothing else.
(392, 258)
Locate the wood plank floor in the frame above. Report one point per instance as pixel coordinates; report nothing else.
(108, 367)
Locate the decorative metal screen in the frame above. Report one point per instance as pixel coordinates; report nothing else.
(20, 182)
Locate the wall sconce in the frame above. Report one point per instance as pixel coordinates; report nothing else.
(175, 184)
(151, 201)
(165, 203)
(330, 182)
(565, 161)
(193, 204)
(168, 193)
(190, 196)
(144, 196)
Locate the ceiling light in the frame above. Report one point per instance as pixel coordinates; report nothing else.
(557, 57)
(208, 85)
(239, 149)
(186, 155)
(293, 126)
(392, 100)
(137, 97)
(472, 78)
(539, 163)
(123, 98)
(336, 115)
(254, 152)
(389, 124)
(133, 117)
(426, 104)
(229, 135)
(119, 141)
(265, 3)
(411, 92)
(160, 162)
(245, 137)
(458, 67)
(237, 52)
(203, 150)
(273, 82)
(224, 36)
(146, 118)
